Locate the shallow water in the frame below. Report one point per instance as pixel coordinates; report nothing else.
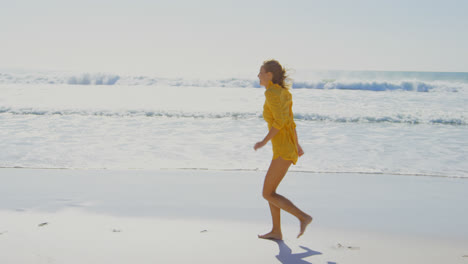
(168, 125)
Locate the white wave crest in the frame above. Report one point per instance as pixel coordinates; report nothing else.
(397, 118)
(96, 79)
(367, 86)
(345, 84)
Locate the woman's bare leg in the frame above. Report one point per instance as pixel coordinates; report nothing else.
(276, 220)
(278, 169)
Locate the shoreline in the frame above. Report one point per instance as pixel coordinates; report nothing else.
(409, 174)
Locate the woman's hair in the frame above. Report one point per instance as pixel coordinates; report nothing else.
(279, 73)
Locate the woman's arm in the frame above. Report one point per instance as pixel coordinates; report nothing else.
(300, 152)
(271, 134)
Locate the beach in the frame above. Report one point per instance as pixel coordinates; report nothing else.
(129, 131)
(213, 216)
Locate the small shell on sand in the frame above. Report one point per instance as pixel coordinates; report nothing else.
(338, 245)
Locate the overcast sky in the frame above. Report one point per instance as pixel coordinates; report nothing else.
(206, 38)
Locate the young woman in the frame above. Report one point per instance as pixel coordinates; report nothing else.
(277, 112)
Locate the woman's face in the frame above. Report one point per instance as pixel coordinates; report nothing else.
(264, 77)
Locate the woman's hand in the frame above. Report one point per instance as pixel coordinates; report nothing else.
(300, 152)
(259, 144)
(271, 134)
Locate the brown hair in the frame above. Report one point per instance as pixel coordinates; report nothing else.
(279, 73)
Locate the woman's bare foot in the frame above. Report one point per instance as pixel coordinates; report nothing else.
(304, 223)
(272, 235)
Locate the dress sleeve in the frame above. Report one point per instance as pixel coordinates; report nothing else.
(279, 109)
(292, 117)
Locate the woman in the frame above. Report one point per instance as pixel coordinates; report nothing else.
(277, 112)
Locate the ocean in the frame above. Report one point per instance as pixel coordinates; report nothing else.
(398, 123)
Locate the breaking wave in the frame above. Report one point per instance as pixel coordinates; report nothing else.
(416, 86)
(97, 79)
(342, 84)
(298, 117)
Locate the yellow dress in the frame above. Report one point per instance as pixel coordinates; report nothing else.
(277, 112)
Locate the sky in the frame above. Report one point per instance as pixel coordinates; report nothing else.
(217, 38)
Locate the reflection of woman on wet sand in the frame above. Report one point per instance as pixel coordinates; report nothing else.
(277, 112)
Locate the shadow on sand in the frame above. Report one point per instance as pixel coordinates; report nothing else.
(286, 256)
